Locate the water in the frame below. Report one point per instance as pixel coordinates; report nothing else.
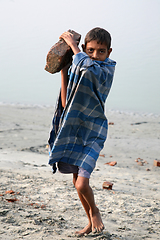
(30, 28)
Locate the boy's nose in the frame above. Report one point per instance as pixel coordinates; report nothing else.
(95, 55)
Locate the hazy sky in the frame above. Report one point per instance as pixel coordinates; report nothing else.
(30, 27)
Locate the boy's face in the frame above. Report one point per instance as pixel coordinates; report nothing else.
(96, 51)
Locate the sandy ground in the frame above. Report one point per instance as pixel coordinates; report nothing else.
(46, 206)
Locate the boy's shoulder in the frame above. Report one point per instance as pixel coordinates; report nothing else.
(84, 62)
(83, 57)
(87, 70)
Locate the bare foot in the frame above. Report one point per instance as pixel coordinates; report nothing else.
(97, 224)
(84, 231)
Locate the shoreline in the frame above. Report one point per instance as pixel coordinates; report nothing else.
(46, 205)
(127, 112)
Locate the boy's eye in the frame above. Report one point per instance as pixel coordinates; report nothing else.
(90, 50)
(102, 51)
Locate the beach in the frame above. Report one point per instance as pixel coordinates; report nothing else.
(37, 204)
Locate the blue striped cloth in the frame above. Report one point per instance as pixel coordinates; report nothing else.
(80, 129)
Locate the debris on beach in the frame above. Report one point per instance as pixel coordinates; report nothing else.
(113, 163)
(111, 123)
(107, 185)
(138, 123)
(101, 155)
(10, 192)
(37, 205)
(141, 162)
(21, 200)
(156, 163)
(12, 199)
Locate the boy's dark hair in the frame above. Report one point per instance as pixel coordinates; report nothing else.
(99, 34)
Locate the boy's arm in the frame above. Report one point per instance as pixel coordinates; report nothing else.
(69, 39)
(64, 83)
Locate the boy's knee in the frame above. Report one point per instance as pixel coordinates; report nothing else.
(82, 185)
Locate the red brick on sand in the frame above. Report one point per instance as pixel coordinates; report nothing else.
(9, 191)
(156, 163)
(111, 123)
(113, 163)
(107, 185)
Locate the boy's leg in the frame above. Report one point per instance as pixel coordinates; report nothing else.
(87, 198)
(88, 228)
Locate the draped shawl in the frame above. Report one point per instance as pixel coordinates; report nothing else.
(80, 129)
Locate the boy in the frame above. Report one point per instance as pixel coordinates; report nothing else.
(79, 124)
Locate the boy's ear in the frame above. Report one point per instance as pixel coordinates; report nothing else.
(83, 47)
(109, 52)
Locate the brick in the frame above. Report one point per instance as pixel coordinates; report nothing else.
(107, 185)
(140, 163)
(60, 55)
(12, 199)
(156, 163)
(112, 163)
(10, 192)
(101, 155)
(111, 123)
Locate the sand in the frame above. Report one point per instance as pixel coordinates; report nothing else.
(45, 206)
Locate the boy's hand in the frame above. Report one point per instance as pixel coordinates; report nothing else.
(70, 40)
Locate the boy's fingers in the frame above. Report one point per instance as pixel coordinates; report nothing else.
(62, 35)
(66, 34)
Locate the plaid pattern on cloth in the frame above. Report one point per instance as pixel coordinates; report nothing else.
(80, 130)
